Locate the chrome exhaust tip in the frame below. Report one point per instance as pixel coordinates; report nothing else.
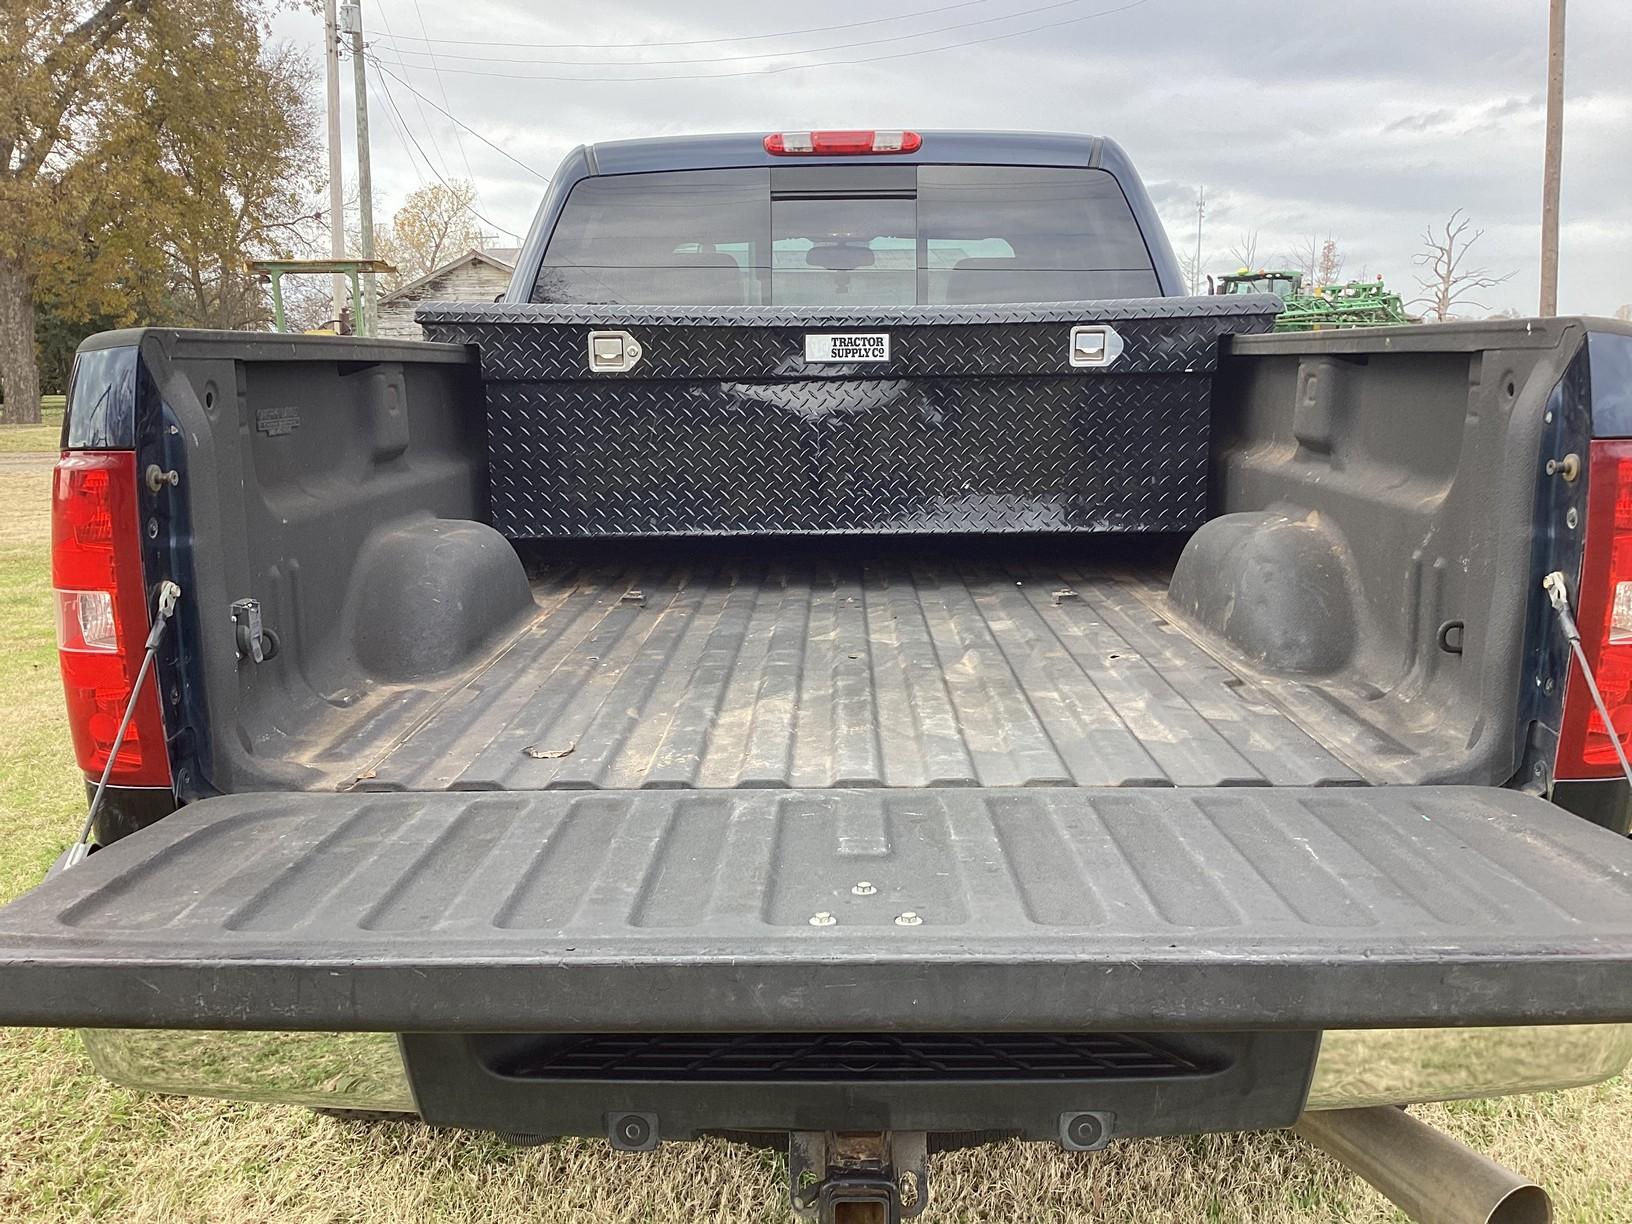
(1424, 1172)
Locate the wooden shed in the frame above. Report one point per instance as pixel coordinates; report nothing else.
(476, 276)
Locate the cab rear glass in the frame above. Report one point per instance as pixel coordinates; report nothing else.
(844, 236)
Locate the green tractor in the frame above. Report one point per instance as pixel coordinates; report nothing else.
(1281, 284)
(1353, 304)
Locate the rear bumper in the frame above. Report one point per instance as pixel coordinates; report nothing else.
(1353, 1068)
(1362, 1067)
(685, 1085)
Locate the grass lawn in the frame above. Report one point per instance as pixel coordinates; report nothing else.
(28, 439)
(73, 1147)
(23, 439)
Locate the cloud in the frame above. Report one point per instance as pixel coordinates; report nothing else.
(1424, 122)
(1366, 122)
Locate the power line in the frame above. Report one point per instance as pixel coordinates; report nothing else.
(405, 139)
(867, 59)
(411, 147)
(693, 42)
(385, 70)
(397, 129)
(758, 55)
(379, 7)
(402, 139)
(420, 100)
(381, 65)
(392, 102)
(442, 86)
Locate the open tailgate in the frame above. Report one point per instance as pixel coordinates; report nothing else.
(997, 910)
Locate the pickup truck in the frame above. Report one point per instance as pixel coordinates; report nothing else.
(846, 655)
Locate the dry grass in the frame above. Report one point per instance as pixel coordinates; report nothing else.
(73, 1147)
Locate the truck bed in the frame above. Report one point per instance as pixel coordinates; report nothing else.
(1354, 610)
(800, 665)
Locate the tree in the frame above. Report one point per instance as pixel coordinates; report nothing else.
(1194, 271)
(434, 225)
(1244, 252)
(51, 56)
(1447, 282)
(229, 168)
(128, 130)
(1329, 266)
(1318, 260)
(1624, 313)
(1304, 258)
(56, 338)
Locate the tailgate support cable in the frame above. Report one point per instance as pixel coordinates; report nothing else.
(1557, 593)
(169, 593)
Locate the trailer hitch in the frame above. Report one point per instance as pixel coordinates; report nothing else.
(858, 1177)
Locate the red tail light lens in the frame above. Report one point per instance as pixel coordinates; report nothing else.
(1604, 614)
(842, 144)
(102, 615)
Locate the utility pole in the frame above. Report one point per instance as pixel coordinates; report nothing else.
(1553, 163)
(1201, 211)
(337, 186)
(353, 14)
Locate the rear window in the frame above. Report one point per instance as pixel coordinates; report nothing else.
(844, 236)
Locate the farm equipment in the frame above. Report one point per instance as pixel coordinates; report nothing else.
(1352, 304)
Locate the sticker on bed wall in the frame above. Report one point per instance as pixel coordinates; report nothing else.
(276, 422)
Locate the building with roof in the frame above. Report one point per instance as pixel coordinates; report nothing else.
(476, 276)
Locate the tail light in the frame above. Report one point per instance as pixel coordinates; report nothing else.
(841, 144)
(102, 615)
(1604, 614)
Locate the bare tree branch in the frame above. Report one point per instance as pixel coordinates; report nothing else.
(1194, 273)
(1304, 258)
(1446, 281)
(1244, 251)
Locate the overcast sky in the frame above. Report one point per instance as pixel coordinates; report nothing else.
(1366, 120)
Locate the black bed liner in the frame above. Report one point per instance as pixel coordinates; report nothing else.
(816, 665)
(1049, 909)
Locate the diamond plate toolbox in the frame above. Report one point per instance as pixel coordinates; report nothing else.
(978, 420)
